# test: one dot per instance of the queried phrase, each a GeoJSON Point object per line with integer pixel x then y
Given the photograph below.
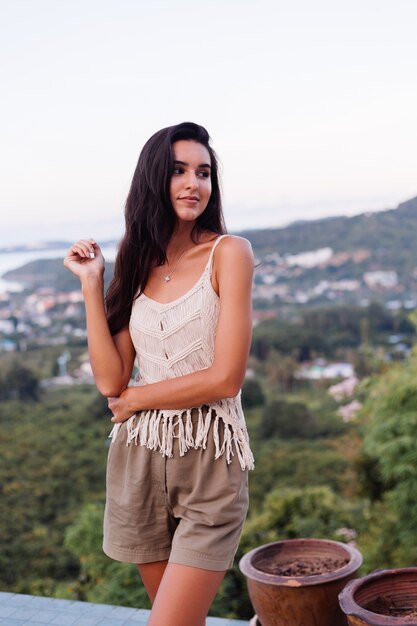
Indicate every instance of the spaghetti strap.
{"type": "Point", "coordinates": [209, 265]}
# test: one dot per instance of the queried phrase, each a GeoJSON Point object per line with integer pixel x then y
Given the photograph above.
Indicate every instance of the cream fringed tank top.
{"type": "Point", "coordinates": [171, 340]}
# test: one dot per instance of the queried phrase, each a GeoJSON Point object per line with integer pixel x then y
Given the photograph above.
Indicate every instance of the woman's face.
{"type": "Point", "coordinates": [190, 186]}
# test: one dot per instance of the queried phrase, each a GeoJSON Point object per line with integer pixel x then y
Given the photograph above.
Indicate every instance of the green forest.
{"type": "Point", "coordinates": [315, 476]}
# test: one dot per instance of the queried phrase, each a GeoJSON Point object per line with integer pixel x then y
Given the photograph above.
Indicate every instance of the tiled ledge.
{"type": "Point", "coordinates": [23, 610]}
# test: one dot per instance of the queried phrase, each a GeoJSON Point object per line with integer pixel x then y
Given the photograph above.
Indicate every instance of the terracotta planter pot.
{"type": "Point", "coordinates": [368, 601]}
{"type": "Point", "coordinates": [298, 600]}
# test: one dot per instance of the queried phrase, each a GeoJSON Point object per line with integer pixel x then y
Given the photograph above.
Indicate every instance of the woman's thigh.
{"type": "Point", "coordinates": [184, 596]}
{"type": "Point", "coordinates": [151, 575]}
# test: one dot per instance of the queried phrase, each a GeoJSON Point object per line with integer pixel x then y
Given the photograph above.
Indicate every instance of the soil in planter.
{"type": "Point", "coordinates": [385, 606]}
{"type": "Point", "coordinates": [303, 567]}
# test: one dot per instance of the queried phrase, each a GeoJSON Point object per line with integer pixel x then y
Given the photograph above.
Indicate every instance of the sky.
{"type": "Point", "coordinates": [311, 106]}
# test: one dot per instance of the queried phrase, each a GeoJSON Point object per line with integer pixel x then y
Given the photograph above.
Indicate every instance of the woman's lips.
{"type": "Point", "coordinates": [189, 199]}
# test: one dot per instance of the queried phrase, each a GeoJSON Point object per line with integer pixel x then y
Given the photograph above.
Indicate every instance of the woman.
{"type": "Point", "coordinates": [179, 302]}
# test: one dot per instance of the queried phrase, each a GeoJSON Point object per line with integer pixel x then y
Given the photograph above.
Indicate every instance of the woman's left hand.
{"type": "Point", "coordinates": [121, 407]}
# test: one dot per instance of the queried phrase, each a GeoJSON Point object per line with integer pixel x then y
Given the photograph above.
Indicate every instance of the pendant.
{"type": "Point", "coordinates": [167, 278]}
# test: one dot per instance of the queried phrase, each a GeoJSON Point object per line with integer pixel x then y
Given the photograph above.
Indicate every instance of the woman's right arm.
{"type": "Point", "coordinates": [111, 357]}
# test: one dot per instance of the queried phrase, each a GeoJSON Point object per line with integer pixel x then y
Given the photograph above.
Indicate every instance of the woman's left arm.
{"type": "Point", "coordinates": [233, 268]}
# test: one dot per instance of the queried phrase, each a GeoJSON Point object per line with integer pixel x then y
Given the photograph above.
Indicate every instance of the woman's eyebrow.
{"type": "Point", "coordinates": [185, 163]}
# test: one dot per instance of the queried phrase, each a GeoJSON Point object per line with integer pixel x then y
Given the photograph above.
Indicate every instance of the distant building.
{"type": "Point", "coordinates": [7, 327]}
{"type": "Point", "coordinates": [321, 369]}
{"type": "Point", "coordinates": [345, 285]}
{"type": "Point", "coordinates": [262, 315]}
{"type": "Point", "coordinates": [269, 292]}
{"type": "Point", "coordinates": [311, 258]}
{"type": "Point", "coordinates": [7, 345]}
{"type": "Point", "coordinates": [381, 279]}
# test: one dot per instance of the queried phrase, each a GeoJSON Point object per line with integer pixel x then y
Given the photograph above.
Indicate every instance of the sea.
{"type": "Point", "coordinates": [14, 260]}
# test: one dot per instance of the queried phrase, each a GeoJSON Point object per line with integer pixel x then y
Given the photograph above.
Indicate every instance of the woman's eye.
{"type": "Point", "coordinates": [177, 170]}
{"type": "Point", "coordinates": [204, 174]}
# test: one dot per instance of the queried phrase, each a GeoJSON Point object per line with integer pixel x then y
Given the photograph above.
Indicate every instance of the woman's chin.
{"type": "Point", "coordinates": [188, 215]}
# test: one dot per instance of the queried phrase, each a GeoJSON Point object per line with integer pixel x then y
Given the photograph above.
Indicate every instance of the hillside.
{"type": "Point", "coordinates": [354, 259]}
{"type": "Point", "coordinates": [392, 232]}
{"type": "Point", "coordinates": [50, 273]}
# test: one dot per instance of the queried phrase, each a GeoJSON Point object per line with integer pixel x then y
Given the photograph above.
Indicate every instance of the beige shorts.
{"type": "Point", "coordinates": [188, 510]}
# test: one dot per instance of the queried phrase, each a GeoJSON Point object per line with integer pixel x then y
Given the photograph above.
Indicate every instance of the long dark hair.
{"type": "Point", "coordinates": [151, 220]}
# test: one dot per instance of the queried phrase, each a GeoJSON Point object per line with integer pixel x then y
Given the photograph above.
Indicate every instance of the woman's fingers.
{"type": "Point", "coordinates": [120, 410]}
{"type": "Point", "coordinates": [81, 255]}
{"type": "Point", "coordinates": [85, 248]}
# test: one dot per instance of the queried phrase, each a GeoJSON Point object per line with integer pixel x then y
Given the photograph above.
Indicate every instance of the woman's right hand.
{"type": "Point", "coordinates": [85, 260]}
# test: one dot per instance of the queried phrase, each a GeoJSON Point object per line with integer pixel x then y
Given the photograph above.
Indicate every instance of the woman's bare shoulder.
{"type": "Point", "coordinates": [233, 246]}
{"type": "Point", "coordinates": [233, 261]}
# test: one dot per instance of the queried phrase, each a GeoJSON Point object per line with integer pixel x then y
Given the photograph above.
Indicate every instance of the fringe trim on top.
{"type": "Point", "coordinates": [156, 429]}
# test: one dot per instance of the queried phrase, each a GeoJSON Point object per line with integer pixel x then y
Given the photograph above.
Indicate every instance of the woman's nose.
{"type": "Point", "coordinates": [192, 181]}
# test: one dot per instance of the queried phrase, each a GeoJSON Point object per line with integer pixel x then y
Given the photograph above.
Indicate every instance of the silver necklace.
{"type": "Point", "coordinates": [167, 277]}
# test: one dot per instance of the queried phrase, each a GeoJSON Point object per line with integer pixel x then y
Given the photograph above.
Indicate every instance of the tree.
{"type": "Point", "coordinates": [295, 340]}
{"type": "Point", "coordinates": [53, 460]}
{"type": "Point", "coordinates": [368, 361]}
{"type": "Point", "coordinates": [252, 393]}
{"type": "Point", "coordinates": [98, 408]}
{"type": "Point", "coordinates": [287, 419]}
{"type": "Point", "coordinates": [389, 460]}
{"type": "Point", "coordinates": [19, 382]}
{"type": "Point", "coordinates": [100, 579]}
{"type": "Point", "coordinates": [281, 369]}
{"type": "Point", "coordinates": [292, 513]}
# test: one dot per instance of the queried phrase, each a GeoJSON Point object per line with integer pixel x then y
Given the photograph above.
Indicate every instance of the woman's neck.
{"type": "Point", "coordinates": [181, 240]}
